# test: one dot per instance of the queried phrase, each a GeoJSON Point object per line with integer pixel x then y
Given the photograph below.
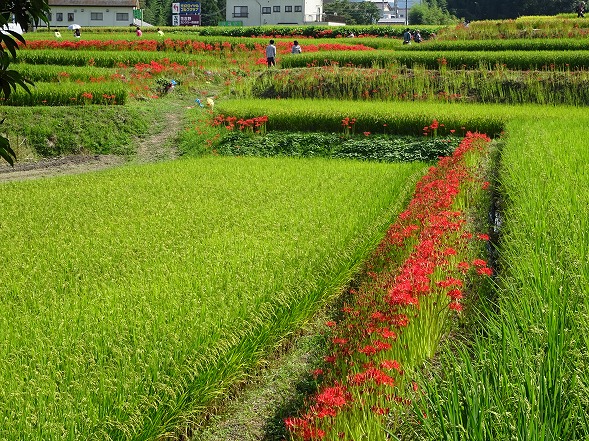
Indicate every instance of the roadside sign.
{"type": "Point", "coordinates": [189, 20]}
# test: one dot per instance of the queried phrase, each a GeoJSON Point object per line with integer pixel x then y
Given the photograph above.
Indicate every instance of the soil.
{"type": "Point", "coordinates": [156, 147]}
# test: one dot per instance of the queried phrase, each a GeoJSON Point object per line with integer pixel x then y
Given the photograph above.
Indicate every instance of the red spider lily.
{"type": "Point", "coordinates": [381, 309]}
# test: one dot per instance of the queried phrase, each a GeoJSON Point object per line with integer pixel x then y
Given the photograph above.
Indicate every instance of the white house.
{"type": "Point", "coordinates": [274, 12]}
{"type": "Point", "coordinates": [87, 13]}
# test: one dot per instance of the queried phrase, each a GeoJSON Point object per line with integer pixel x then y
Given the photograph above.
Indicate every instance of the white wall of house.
{"type": "Point", "coordinates": [88, 16]}
{"type": "Point", "coordinates": [272, 12]}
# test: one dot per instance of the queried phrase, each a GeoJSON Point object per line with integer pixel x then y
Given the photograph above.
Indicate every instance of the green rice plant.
{"type": "Point", "coordinates": [522, 60]}
{"type": "Point", "coordinates": [418, 84]}
{"type": "Point", "coordinates": [133, 298]}
{"type": "Point", "coordinates": [524, 374]}
{"type": "Point", "coordinates": [399, 118]}
{"type": "Point", "coordinates": [536, 27]}
{"type": "Point", "coordinates": [67, 94]}
{"type": "Point", "coordinates": [51, 73]}
{"type": "Point", "coordinates": [108, 59]}
{"type": "Point", "coordinates": [538, 44]}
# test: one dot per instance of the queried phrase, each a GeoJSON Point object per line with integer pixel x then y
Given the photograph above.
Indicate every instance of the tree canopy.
{"type": "Point", "coordinates": [499, 9]}
{"type": "Point", "coordinates": [23, 13]}
{"type": "Point", "coordinates": [363, 12]}
{"type": "Point", "coordinates": [431, 12]}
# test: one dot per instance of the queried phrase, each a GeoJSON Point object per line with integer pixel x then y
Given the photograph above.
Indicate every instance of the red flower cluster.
{"type": "Point", "coordinates": [431, 233]}
{"type": "Point", "coordinates": [255, 125]}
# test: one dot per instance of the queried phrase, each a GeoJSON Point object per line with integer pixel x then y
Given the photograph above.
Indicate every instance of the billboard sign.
{"type": "Point", "coordinates": [186, 14]}
{"type": "Point", "coordinates": [189, 20]}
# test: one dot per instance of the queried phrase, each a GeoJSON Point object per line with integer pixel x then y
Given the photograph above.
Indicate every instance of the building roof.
{"type": "Point", "coordinates": [110, 3]}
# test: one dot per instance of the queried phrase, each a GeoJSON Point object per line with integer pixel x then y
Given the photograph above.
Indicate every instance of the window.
{"type": "Point", "coordinates": [59, 16]}
{"type": "Point", "coordinates": [298, 9]}
{"type": "Point", "coordinates": [266, 10]}
{"type": "Point", "coordinates": [122, 16]}
{"type": "Point", "coordinates": [240, 11]}
{"type": "Point", "coordinates": [288, 9]}
{"type": "Point", "coordinates": [70, 16]}
{"type": "Point", "coordinates": [275, 8]}
{"type": "Point", "coordinates": [96, 16]}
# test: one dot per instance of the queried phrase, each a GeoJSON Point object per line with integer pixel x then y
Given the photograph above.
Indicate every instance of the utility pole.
{"type": "Point", "coordinates": [406, 17]}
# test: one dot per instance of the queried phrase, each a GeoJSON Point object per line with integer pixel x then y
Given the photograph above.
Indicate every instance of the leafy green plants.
{"type": "Point", "coordinates": [332, 145]}
{"type": "Point", "coordinates": [522, 372]}
{"type": "Point", "coordinates": [396, 318]}
{"type": "Point", "coordinates": [133, 298]}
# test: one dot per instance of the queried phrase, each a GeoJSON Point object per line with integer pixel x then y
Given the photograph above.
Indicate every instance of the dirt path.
{"type": "Point", "coordinates": [156, 147]}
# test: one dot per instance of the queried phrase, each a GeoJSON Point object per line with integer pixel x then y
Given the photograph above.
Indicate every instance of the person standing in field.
{"type": "Point", "coordinates": [581, 10]}
{"type": "Point", "coordinates": [407, 36]}
{"type": "Point", "coordinates": [271, 54]}
{"type": "Point", "coordinates": [296, 48]}
{"type": "Point", "coordinates": [57, 34]}
{"type": "Point", "coordinates": [138, 32]}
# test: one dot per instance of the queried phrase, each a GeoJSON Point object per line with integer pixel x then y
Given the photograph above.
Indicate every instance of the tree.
{"type": "Point", "coordinates": [500, 9]}
{"type": "Point", "coordinates": [21, 12]}
{"type": "Point", "coordinates": [431, 12]}
{"type": "Point", "coordinates": [364, 12]}
{"type": "Point", "coordinates": [210, 13]}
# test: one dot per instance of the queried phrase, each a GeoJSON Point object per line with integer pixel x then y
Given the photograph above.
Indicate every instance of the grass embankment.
{"type": "Point", "coordinates": [133, 298]}
{"type": "Point", "coordinates": [525, 372]}
{"type": "Point", "coordinates": [56, 131]}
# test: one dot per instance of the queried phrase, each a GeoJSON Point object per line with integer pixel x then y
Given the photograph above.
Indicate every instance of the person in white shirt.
{"type": "Point", "coordinates": [296, 49]}
{"type": "Point", "coordinates": [271, 54]}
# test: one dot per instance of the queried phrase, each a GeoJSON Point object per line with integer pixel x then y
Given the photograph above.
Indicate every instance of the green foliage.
{"type": "Point", "coordinates": [145, 292]}
{"type": "Point", "coordinates": [500, 9]}
{"type": "Point", "coordinates": [56, 131]}
{"type": "Point", "coordinates": [63, 74]}
{"type": "Point", "coordinates": [430, 12]}
{"type": "Point", "coordinates": [23, 12]}
{"type": "Point", "coordinates": [68, 94]}
{"type": "Point", "coordinates": [524, 371]}
{"type": "Point", "coordinates": [398, 118]}
{"type": "Point", "coordinates": [108, 59]}
{"type": "Point", "coordinates": [522, 60]}
{"type": "Point", "coordinates": [361, 147]}
{"type": "Point", "coordinates": [518, 44]}
{"type": "Point", "coordinates": [311, 31]}
{"type": "Point", "coordinates": [352, 13]}
{"type": "Point", "coordinates": [395, 83]}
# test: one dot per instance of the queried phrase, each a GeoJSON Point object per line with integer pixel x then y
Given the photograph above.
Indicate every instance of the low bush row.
{"type": "Point", "coordinates": [329, 145]}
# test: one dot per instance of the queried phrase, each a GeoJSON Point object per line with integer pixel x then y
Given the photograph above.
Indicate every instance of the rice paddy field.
{"type": "Point", "coordinates": [134, 299]}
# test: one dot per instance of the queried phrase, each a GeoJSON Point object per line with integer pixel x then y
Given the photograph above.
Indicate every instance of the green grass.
{"type": "Point", "coordinates": [525, 375]}
{"type": "Point", "coordinates": [55, 131]}
{"type": "Point", "coordinates": [133, 298]}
